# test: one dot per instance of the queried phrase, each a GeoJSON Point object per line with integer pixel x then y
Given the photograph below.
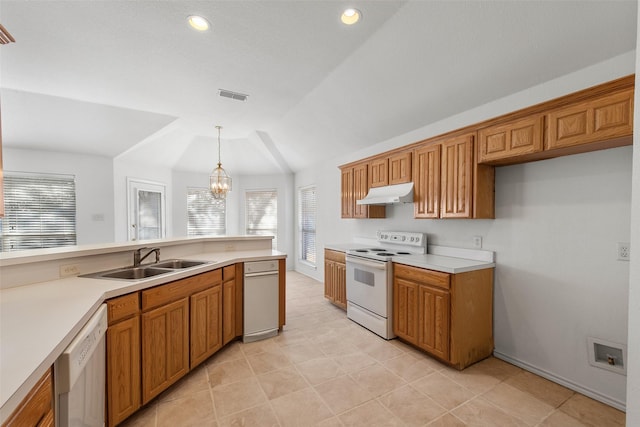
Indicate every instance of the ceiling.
{"type": "Point", "coordinates": [131, 80]}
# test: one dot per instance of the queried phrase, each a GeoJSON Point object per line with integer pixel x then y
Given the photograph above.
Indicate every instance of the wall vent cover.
{"type": "Point", "coordinates": [233, 95]}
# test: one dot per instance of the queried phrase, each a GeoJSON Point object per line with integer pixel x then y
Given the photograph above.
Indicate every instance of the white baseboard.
{"type": "Point", "coordinates": [563, 381]}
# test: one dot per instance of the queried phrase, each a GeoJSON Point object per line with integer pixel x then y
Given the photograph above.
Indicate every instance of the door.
{"type": "Point", "coordinates": [146, 210]}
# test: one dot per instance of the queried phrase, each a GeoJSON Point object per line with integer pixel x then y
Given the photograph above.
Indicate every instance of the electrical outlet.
{"type": "Point", "coordinates": [477, 242]}
{"type": "Point", "coordinates": [69, 270]}
{"type": "Point", "coordinates": [624, 251]}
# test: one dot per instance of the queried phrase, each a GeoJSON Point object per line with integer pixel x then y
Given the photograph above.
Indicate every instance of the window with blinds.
{"type": "Point", "coordinates": [40, 211]}
{"type": "Point", "coordinates": [261, 208]}
{"type": "Point", "coordinates": [206, 216]}
{"type": "Point", "coordinates": [307, 224]}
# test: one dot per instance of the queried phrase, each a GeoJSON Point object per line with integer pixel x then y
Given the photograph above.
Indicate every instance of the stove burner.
{"type": "Point", "coordinates": [385, 254]}
{"type": "Point", "coordinates": [362, 250]}
{"type": "Point", "coordinates": [404, 253]}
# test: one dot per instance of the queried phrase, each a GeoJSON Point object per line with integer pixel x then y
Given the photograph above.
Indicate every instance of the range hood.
{"type": "Point", "coordinates": [388, 195]}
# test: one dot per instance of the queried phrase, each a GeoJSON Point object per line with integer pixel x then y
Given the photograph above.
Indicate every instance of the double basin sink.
{"type": "Point", "coordinates": [146, 271]}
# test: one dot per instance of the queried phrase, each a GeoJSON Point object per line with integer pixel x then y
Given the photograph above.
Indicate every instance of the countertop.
{"type": "Point", "coordinates": [38, 321]}
{"type": "Point", "coordinates": [438, 258]}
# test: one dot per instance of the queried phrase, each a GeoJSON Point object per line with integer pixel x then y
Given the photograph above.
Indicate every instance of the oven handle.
{"type": "Point", "coordinates": [371, 264]}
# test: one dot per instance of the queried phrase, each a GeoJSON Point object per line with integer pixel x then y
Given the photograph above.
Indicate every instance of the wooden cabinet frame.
{"type": "Point", "coordinates": [335, 278]}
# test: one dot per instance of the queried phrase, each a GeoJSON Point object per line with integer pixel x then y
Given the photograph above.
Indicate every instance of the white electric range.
{"type": "Point", "coordinates": [370, 279]}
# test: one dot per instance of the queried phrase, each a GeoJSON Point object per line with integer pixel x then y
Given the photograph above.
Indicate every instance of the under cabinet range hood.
{"type": "Point", "coordinates": [388, 195]}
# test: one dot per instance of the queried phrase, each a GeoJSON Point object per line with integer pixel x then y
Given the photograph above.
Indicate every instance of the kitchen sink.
{"type": "Point", "coordinates": [178, 264]}
{"type": "Point", "coordinates": [146, 271]}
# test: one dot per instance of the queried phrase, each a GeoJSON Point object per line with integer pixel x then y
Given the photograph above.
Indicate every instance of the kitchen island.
{"type": "Point", "coordinates": [41, 311]}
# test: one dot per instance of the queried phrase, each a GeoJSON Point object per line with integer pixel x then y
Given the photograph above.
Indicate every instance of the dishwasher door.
{"type": "Point", "coordinates": [79, 376]}
{"type": "Point", "coordinates": [261, 301]}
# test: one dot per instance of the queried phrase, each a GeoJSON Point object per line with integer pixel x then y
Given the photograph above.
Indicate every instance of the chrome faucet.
{"type": "Point", "coordinates": [138, 257]}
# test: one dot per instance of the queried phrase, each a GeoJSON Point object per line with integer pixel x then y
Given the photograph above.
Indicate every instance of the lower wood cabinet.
{"type": "Point", "coordinates": [165, 347]}
{"type": "Point", "coordinates": [228, 304]}
{"type": "Point", "coordinates": [449, 316]}
{"type": "Point", "coordinates": [335, 278]}
{"type": "Point", "coordinates": [36, 409]}
{"type": "Point", "coordinates": [206, 324]}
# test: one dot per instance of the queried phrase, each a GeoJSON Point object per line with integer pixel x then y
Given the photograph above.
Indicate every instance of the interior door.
{"type": "Point", "coordinates": [146, 210]}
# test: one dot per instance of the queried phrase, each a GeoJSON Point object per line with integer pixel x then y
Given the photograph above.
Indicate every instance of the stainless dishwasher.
{"type": "Point", "coordinates": [261, 300]}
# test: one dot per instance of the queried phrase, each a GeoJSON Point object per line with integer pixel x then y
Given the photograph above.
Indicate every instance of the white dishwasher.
{"type": "Point", "coordinates": [261, 300]}
{"type": "Point", "coordinates": [79, 376]}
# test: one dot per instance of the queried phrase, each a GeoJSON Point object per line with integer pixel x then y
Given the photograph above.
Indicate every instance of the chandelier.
{"type": "Point", "coordinates": [219, 181]}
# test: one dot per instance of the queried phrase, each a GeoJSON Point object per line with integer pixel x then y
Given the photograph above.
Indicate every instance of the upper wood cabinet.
{"type": "Point", "coordinates": [606, 117]}
{"type": "Point", "coordinates": [448, 183]}
{"type": "Point", "coordinates": [355, 186]}
{"type": "Point", "coordinates": [517, 138]}
{"type": "Point", "coordinates": [390, 170]}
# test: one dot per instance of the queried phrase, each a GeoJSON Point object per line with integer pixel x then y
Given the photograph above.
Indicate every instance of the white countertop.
{"type": "Point", "coordinates": [439, 258]}
{"type": "Point", "coordinates": [38, 321]}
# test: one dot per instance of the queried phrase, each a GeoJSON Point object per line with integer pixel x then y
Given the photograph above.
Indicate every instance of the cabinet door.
{"type": "Point", "coordinates": [165, 347]}
{"type": "Point", "coordinates": [206, 324]}
{"type": "Point", "coordinates": [405, 309]}
{"type": "Point", "coordinates": [329, 279]}
{"type": "Point", "coordinates": [400, 168]}
{"type": "Point", "coordinates": [360, 189]}
{"type": "Point", "coordinates": [346, 193]}
{"type": "Point", "coordinates": [510, 140]}
{"type": "Point", "coordinates": [36, 409]}
{"type": "Point", "coordinates": [378, 169]}
{"type": "Point", "coordinates": [433, 321]}
{"type": "Point", "coordinates": [426, 182]}
{"type": "Point", "coordinates": [228, 310]}
{"type": "Point", "coordinates": [123, 369]}
{"type": "Point", "coordinates": [456, 178]}
{"type": "Point", "coordinates": [340, 285]}
{"type": "Point", "coordinates": [606, 117]}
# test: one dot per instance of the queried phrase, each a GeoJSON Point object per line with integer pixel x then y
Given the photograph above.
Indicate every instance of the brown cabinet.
{"type": "Point", "coordinates": [450, 316]}
{"type": "Point", "coordinates": [206, 324]}
{"type": "Point", "coordinates": [354, 186]}
{"type": "Point", "coordinates": [512, 139]}
{"type": "Point", "coordinates": [228, 304]}
{"type": "Point", "coordinates": [165, 347]}
{"type": "Point", "coordinates": [335, 278]}
{"type": "Point", "coordinates": [605, 117]}
{"type": "Point", "coordinates": [123, 358]}
{"type": "Point", "coordinates": [36, 409]}
{"type": "Point", "coordinates": [448, 183]}
{"type": "Point", "coordinates": [390, 170]}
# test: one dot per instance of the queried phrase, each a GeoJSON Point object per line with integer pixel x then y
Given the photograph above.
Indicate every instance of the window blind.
{"type": "Point", "coordinates": [205, 215]}
{"type": "Point", "coordinates": [307, 224]}
{"type": "Point", "coordinates": [261, 207]}
{"type": "Point", "coordinates": [40, 211]}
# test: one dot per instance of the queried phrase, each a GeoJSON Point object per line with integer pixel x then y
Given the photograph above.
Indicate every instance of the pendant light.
{"type": "Point", "coordinates": [219, 181]}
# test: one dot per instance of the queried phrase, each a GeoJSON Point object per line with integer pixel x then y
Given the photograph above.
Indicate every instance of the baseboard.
{"type": "Point", "coordinates": [563, 381]}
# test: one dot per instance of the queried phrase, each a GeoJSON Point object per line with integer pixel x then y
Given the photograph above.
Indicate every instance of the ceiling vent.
{"type": "Point", "coordinates": [233, 95]}
{"type": "Point", "coordinates": [5, 37]}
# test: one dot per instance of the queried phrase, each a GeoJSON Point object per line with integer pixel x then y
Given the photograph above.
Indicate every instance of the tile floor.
{"type": "Point", "coordinates": [324, 370]}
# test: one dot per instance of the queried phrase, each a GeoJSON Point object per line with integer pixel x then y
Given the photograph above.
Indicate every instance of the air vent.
{"type": "Point", "coordinates": [5, 37]}
{"type": "Point", "coordinates": [233, 95]}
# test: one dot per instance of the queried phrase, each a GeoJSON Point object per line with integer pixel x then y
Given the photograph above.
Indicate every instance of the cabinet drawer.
{"type": "Point", "coordinates": [123, 307]}
{"type": "Point", "coordinates": [228, 272]}
{"type": "Point", "coordinates": [330, 255]}
{"type": "Point", "coordinates": [422, 275]}
{"type": "Point", "coordinates": [164, 294]}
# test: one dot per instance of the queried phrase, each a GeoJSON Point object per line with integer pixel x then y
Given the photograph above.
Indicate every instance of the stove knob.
{"type": "Point", "coordinates": [404, 238]}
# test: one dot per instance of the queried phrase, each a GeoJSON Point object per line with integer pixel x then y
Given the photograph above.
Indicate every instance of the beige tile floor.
{"type": "Point", "coordinates": [324, 370]}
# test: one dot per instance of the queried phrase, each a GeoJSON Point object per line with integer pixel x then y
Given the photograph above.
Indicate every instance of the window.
{"type": "Point", "coordinates": [205, 215]}
{"type": "Point", "coordinates": [307, 224]}
{"type": "Point", "coordinates": [261, 207]}
{"type": "Point", "coordinates": [40, 211]}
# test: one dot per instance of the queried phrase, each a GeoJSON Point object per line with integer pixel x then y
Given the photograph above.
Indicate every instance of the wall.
{"type": "Point", "coordinates": [94, 187]}
{"type": "Point", "coordinates": [633, 356]}
{"type": "Point", "coordinates": [558, 221]}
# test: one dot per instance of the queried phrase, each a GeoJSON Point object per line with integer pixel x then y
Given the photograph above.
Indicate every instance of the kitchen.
{"type": "Point", "coordinates": [553, 253]}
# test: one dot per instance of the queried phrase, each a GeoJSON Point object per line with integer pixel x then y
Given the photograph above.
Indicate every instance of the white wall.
{"type": "Point", "coordinates": [633, 356]}
{"type": "Point", "coordinates": [555, 233]}
{"type": "Point", "coordinates": [94, 187]}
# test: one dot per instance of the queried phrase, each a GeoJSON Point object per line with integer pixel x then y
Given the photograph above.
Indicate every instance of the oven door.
{"type": "Point", "coordinates": [368, 284]}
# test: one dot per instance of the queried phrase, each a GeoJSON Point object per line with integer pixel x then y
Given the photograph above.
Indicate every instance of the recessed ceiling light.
{"type": "Point", "coordinates": [199, 23]}
{"type": "Point", "coordinates": [350, 16]}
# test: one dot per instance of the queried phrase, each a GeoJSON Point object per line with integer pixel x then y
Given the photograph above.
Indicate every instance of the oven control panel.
{"type": "Point", "coordinates": [403, 238]}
